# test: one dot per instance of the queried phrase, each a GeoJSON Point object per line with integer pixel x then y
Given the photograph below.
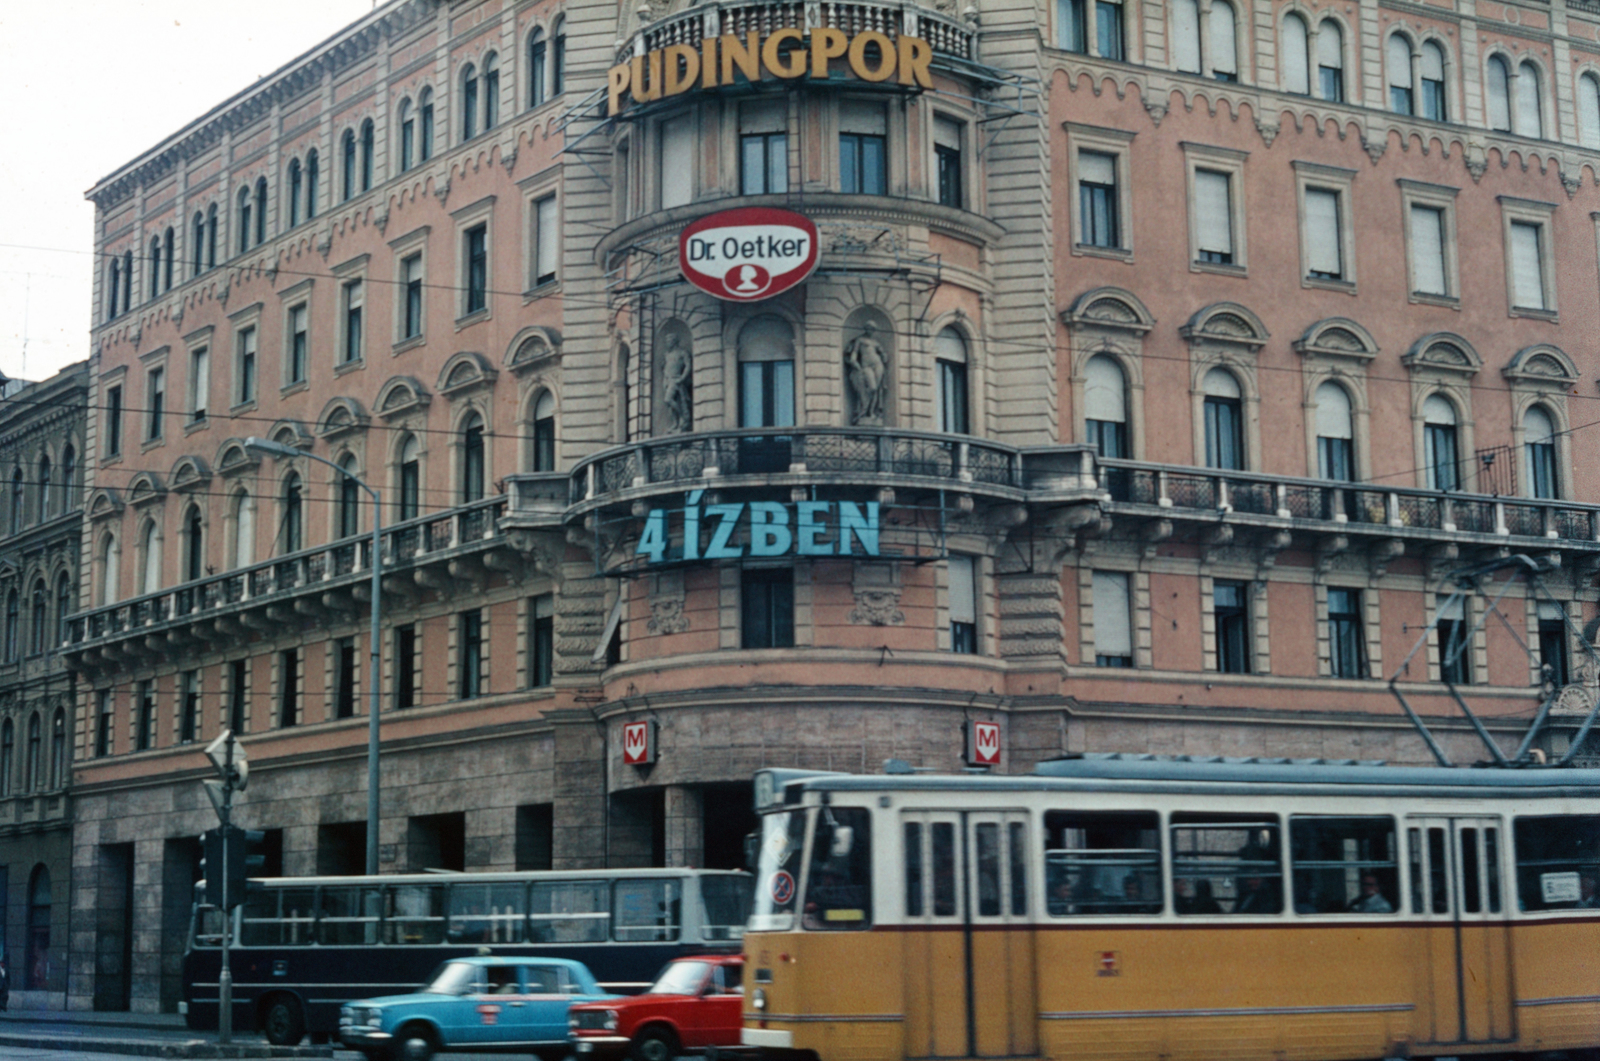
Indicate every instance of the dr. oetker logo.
{"type": "Point", "coordinates": [748, 254]}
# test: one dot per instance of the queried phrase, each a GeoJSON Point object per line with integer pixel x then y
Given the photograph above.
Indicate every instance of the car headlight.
{"type": "Point", "coordinates": [611, 1020]}
{"type": "Point", "coordinates": [758, 999]}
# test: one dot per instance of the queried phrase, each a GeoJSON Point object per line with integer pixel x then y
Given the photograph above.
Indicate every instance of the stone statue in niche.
{"type": "Point", "coordinates": [677, 385]}
{"type": "Point", "coordinates": [866, 365]}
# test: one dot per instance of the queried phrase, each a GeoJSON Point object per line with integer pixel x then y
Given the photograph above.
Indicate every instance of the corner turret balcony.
{"type": "Point", "coordinates": [945, 35]}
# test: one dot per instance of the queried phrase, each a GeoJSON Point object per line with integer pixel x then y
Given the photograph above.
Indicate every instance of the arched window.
{"type": "Point", "coordinates": [13, 620]}
{"type": "Point", "coordinates": [410, 478]}
{"type": "Point", "coordinates": [8, 756]}
{"type": "Point", "coordinates": [211, 236]}
{"type": "Point", "coordinates": [197, 261]}
{"type": "Point", "coordinates": [1330, 61]}
{"type": "Point", "coordinates": [1397, 68]}
{"type": "Point", "coordinates": [38, 970]}
{"type": "Point", "coordinates": [1224, 420]}
{"type": "Point", "coordinates": [32, 781]}
{"type": "Point", "coordinates": [69, 475]}
{"type": "Point", "coordinates": [472, 469]}
{"type": "Point", "coordinates": [348, 190]}
{"type": "Point", "coordinates": [491, 91]}
{"type": "Point", "coordinates": [169, 253]}
{"type": "Point", "coordinates": [1431, 69]}
{"type": "Point", "coordinates": [349, 499]}
{"type": "Point", "coordinates": [18, 492]}
{"type": "Point", "coordinates": [1105, 406]}
{"type": "Point", "coordinates": [194, 546]}
{"type": "Point", "coordinates": [58, 750]}
{"type": "Point", "coordinates": [1186, 35]}
{"type": "Point", "coordinates": [1530, 101]}
{"type": "Point", "coordinates": [536, 68]}
{"type": "Point", "coordinates": [1296, 55]}
{"type": "Point", "coordinates": [408, 136]}
{"type": "Point", "coordinates": [114, 282]}
{"type": "Point", "coordinates": [1499, 76]}
{"type": "Point", "coordinates": [558, 57]}
{"type": "Point", "coordinates": [1589, 111]}
{"type": "Point", "coordinates": [292, 532]}
{"type": "Point", "coordinates": [296, 189]}
{"type": "Point", "coordinates": [150, 558]}
{"type": "Point", "coordinates": [153, 286]}
{"type": "Point", "coordinates": [425, 119]}
{"type": "Point", "coordinates": [313, 164]}
{"type": "Point", "coordinates": [127, 280]}
{"type": "Point", "coordinates": [766, 373]}
{"type": "Point", "coordinates": [1539, 439]}
{"type": "Point", "coordinates": [64, 607]}
{"type": "Point", "coordinates": [950, 358]}
{"type": "Point", "coordinates": [39, 628]}
{"type": "Point", "coordinates": [1224, 45]}
{"type": "Point", "coordinates": [244, 220]}
{"type": "Point", "coordinates": [1336, 458]}
{"type": "Point", "coordinates": [544, 433]}
{"type": "Point", "coordinates": [261, 210]}
{"type": "Point", "coordinates": [110, 576]}
{"type": "Point", "coordinates": [45, 498]}
{"type": "Point", "coordinates": [1440, 454]}
{"type": "Point", "coordinates": [244, 529]}
{"type": "Point", "coordinates": [368, 136]}
{"type": "Point", "coordinates": [469, 102]}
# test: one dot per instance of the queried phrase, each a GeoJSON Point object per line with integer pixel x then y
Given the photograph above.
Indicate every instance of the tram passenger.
{"type": "Point", "coordinates": [1196, 897]}
{"type": "Point", "coordinates": [1258, 895]}
{"type": "Point", "coordinates": [1587, 899]}
{"type": "Point", "coordinates": [1371, 900]}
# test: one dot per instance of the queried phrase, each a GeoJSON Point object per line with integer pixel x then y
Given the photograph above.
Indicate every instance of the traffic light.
{"type": "Point", "coordinates": [245, 860]}
{"type": "Point", "coordinates": [211, 865]}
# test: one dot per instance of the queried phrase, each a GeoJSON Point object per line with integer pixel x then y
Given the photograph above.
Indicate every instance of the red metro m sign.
{"type": "Point", "coordinates": [748, 254]}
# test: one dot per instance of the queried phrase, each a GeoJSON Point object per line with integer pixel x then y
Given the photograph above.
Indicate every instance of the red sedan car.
{"type": "Point", "coordinates": [695, 1003]}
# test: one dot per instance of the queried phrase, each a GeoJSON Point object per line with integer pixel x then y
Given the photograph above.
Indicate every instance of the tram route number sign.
{"type": "Point", "coordinates": [782, 887]}
{"type": "Point", "coordinates": [639, 743]}
{"type": "Point", "coordinates": [748, 254]}
{"type": "Point", "coordinates": [983, 744]}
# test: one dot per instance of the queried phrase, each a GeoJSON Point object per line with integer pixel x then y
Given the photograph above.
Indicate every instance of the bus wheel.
{"type": "Point", "coordinates": [655, 1043]}
{"type": "Point", "coordinates": [284, 1025]}
{"type": "Point", "coordinates": [415, 1044]}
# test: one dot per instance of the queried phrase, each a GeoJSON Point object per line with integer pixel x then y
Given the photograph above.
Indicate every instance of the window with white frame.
{"type": "Point", "coordinates": [863, 154]}
{"type": "Point", "coordinates": [1212, 220]}
{"type": "Point", "coordinates": [948, 135]}
{"type": "Point", "coordinates": [1072, 25]}
{"type": "Point", "coordinates": [1397, 70]}
{"type": "Point", "coordinates": [411, 296]}
{"type": "Point", "coordinates": [1223, 409]}
{"type": "Point", "coordinates": [245, 365]}
{"type": "Point", "coordinates": [1453, 641]}
{"type": "Point", "coordinates": [1223, 52]}
{"type": "Point", "coordinates": [1589, 111]}
{"type": "Point", "coordinates": [1336, 456]}
{"type": "Point", "coordinates": [1102, 201]}
{"type": "Point", "coordinates": [1440, 444]}
{"type": "Point", "coordinates": [475, 256]}
{"type": "Point", "coordinates": [1105, 406]}
{"type": "Point", "coordinates": [1346, 642]}
{"type": "Point", "coordinates": [950, 357]}
{"type": "Point", "coordinates": [1186, 36]}
{"type": "Point", "coordinates": [1098, 221]}
{"type": "Point", "coordinates": [1294, 52]}
{"type": "Point", "coordinates": [764, 147]}
{"type": "Point", "coordinates": [1113, 620]}
{"type": "Point", "coordinates": [963, 604]}
{"type": "Point", "coordinates": [676, 178]}
{"type": "Point", "coordinates": [199, 383]}
{"type": "Point", "coordinates": [1430, 76]}
{"type": "Point", "coordinates": [155, 403]}
{"type": "Point", "coordinates": [1230, 613]}
{"type": "Point", "coordinates": [546, 240]}
{"type": "Point", "coordinates": [1539, 445]}
{"type": "Point", "coordinates": [1498, 76]}
{"type": "Point", "coordinates": [352, 299]}
{"type": "Point", "coordinates": [1528, 118]}
{"type": "Point", "coordinates": [1330, 61]}
{"type": "Point", "coordinates": [1324, 234]}
{"type": "Point", "coordinates": [297, 343]}
{"type": "Point", "coordinates": [541, 640]}
{"type": "Point", "coordinates": [1530, 276]}
{"type": "Point", "coordinates": [1429, 216]}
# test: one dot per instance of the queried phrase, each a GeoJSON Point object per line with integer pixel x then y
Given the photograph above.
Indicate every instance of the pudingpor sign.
{"type": "Point", "coordinates": [759, 529]}
{"type": "Point", "coordinates": [748, 254]}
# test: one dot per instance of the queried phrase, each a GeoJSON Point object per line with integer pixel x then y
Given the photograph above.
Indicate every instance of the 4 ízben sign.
{"type": "Point", "coordinates": [760, 529]}
{"type": "Point", "coordinates": [748, 254]}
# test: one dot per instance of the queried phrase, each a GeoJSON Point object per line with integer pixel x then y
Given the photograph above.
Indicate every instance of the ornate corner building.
{"type": "Point", "coordinates": [1154, 363]}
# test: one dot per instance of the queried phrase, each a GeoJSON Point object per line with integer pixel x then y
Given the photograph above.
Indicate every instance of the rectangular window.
{"type": "Point", "coordinates": [105, 714]}
{"type": "Point", "coordinates": [676, 179]}
{"type": "Point", "coordinates": [947, 137]}
{"type": "Point", "coordinates": [475, 249]}
{"type": "Point", "coordinates": [1527, 266]}
{"type": "Point", "coordinates": [1108, 30]}
{"type": "Point", "coordinates": [1113, 620]}
{"type": "Point", "coordinates": [189, 707]}
{"type": "Point", "coordinates": [1344, 865]}
{"type": "Point", "coordinates": [1213, 206]}
{"type": "Point", "coordinates": [1098, 863]}
{"type": "Point", "coordinates": [1455, 649]}
{"type": "Point", "coordinates": [1098, 225]}
{"type": "Point", "coordinates": [237, 691]}
{"type": "Point", "coordinates": [113, 421]}
{"type": "Point", "coordinates": [199, 383]}
{"type": "Point", "coordinates": [954, 418]}
{"type": "Point", "coordinates": [763, 163]}
{"type": "Point", "coordinates": [963, 604]}
{"type": "Point", "coordinates": [1553, 642]}
{"type": "Point", "coordinates": [297, 344]}
{"type": "Point", "coordinates": [1230, 604]}
{"type": "Point", "coordinates": [546, 241]}
{"type": "Point", "coordinates": [1345, 640]}
{"type": "Point", "coordinates": [1558, 863]}
{"type": "Point", "coordinates": [767, 607]}
{"type": "Point", "coordinates": [344, 678]}
{"type": "Point", "coordinates": [1226, 864]}
{"type": "Point", "coordinates": [144, 730]}
{"type": "Point", "coordinates": [288, 687]}
{"type": "Point", "coordinates": [1324, 232]}
{"type": "Point", "coordinates": [157, 401]}
{"type": "Point", "coordinates": [411, 279]}
{"type": "Point", "coordinates": [1072, 29]}
{"type": "Point", "coordinates": [247, 366]}
{"type": "Point", "coordinates": [352, 297]}
{"type": "Point", "coordinates": [469, 654]}
{"type": "Point", "coordinates": [861, 164]}
{"type": "Point", "coordinates": [405, 665]}
{"type": "Point", "coordinates": [1427, 251]}
{"type": "Point", "coordinates": [541, 640]}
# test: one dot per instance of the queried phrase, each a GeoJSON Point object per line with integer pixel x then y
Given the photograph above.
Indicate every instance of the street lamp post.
{"type": "Point", "coordinates": [278, 449]}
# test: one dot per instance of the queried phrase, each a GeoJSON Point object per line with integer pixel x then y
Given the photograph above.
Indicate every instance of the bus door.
{"type": "Point", "coordinates": [1005, 1012]}
{"type": "Point", "coordinates": [935, 953]}
{"type": "Point", "coordinates": [1457, 887]}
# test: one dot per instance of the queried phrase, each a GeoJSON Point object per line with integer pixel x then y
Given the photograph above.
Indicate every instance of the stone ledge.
{"type": "Point", "coordinates": [196, 1048]}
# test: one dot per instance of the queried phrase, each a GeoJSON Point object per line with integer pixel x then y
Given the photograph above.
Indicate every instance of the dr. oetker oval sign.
{"type": "Point", "coordinates": [748, 254]}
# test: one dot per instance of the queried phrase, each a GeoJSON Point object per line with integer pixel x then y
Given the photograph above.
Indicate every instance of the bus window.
{"type": "Point", "coordinates": [839, 882]}
{"type": "Point", "coordinates": [726, 902]}
{"type": "Point", "coordinates": [646, 910]}
{"type": "Point", "coordinates": [349, 915]}
{"type": "Point", "coordinates": [486, 913]}
{"type": "Point", "coordinates": [570, 911]}
{"type": "Point", "coordinates": [1102, 863]}
{"type": "Point", "coordinates": [1558, 862]}
{"type": "Point", "coordinates": [1344, 865]}
{"type": "Point", "coordinates": [280, 917]}
{"type": "Point", "coordinates": [416, 913]}
{"type": "Point", "coordinates": [208, 927]}
{"type": "Point", "coordinates": [1226, 864]}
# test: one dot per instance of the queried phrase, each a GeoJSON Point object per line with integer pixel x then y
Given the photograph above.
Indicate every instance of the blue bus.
{"type": "Point", "coordinates": [304, 946]}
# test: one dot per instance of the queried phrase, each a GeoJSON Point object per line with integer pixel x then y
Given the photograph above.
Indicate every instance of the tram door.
{"type": "Point", "coordinates": [1457, 887]}
{"type": "Point", "coordinates": [968, 948]}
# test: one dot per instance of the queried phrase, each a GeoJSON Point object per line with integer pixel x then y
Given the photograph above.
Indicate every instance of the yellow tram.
{"type": "Point", "coordinates": [1135, 908]}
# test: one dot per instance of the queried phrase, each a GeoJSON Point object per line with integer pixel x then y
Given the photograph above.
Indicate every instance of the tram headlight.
{"type": "Point", "coordinates": [758, 999]}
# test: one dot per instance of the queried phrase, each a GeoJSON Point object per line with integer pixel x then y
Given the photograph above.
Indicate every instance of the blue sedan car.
{"type": "Point", "coordinates": [480, 1004]}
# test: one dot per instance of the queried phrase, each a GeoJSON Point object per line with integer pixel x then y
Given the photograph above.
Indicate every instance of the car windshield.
{"type": "Point", "coordinates": [680, 978]}
{"type": "Point", "coordinates": [453, 978]}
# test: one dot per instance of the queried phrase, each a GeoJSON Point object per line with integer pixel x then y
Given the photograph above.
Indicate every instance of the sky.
{"type": "Point", "coordinates": [91, 86]}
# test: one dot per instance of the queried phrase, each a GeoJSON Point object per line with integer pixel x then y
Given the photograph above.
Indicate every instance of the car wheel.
{"type": "Point", "coordinates": [376, 1054]}
{"type": "Point", "coordinates": [655, 1044]}
{"type": "Point", "coordinates": [284, 1024]}
{"type": "Point", "coordinates": [415, 1044]}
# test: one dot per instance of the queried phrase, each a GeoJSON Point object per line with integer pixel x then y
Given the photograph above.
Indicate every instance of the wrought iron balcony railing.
{"type": "Point", "coordinates": [944, 35]}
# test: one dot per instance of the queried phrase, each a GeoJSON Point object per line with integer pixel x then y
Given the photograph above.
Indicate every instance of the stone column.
{"type": "Point", "coordinates": [684, 820]}
{"type": "Point", "coordinates": [578, 792]}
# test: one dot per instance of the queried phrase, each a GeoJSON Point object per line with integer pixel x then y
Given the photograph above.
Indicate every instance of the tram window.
{"type": "Point", "coordinates": [1343, 865]}
{"type": "Point", "coordinates": [986, 838]}
{"type": "Point", "coordinates": [1471, 881]}
{"type": "Point", "coordinates": [1226, 864]}
{"type": "Point", "coordinates": [646, 910]}
{"type": "Point", "coordinates": [416, 914]}
{"type": "Point", "coordinates": [571, 911]}
{"type": "Point", "coordinates": [913, 840]}
{"type": "Point", "coordinates": [1558, 862]}
{"type": "Point", "coordinates": [1438, 871]}
{"type": "Point", "coordinates": [1019, 869]}
{"type": "Point", "coordinates": [487, 913]}
{"type": "Point", "coordinates": [943, 837]}
{"type": "Point", "coordinates": [839, 882]}
{"type": "Point", "coordinates": [349, 915]}
{"type": "Point", "coordinates": [279, 917]}
{"type": "Point", "coordinates": [1414, 845]}
{"type": "Point", "coordinates": [1491, 862]}
{"type": "Point", "coordinates": [1102, 863]}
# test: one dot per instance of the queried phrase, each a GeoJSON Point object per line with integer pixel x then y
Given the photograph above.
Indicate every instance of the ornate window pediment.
{"type": "Point", "coordinates": [1225, 324]}
{"type": "Point", "coordinates": [1443, 352]}
{"type": "Point", "coordinates": [291, 433]}
{"type": "Point", "coordinates": [1337, 337]}
{"type": "Point", "coordinates": [1109, 308]}
{"type": "Point", "coordinates": [105, 504]}
{"type": "Point", "coordinates": [402, 394]}
{"type": "Point", "coordinates": [190, 473]}
{"type": "Point", "coordinates": [533, 346]}
{"type": "Point", "coordinates": [1542, 365]}
{"type": "Point", "coordinates": [340, 417]}
{"type": "Point", "coordinates": [232, 457]}
{"type": "Point", "coordinates": [146, 489]}
{"type": "Point", "coordinates": [464, 373]}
